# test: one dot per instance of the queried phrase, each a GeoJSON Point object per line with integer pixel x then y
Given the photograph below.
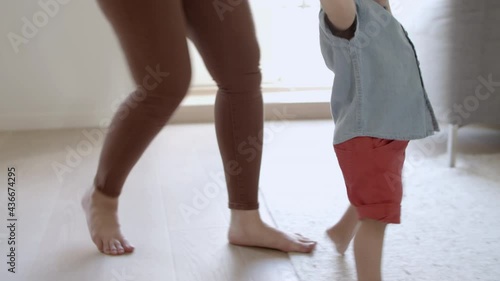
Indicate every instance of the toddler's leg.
{"type": "Point", "coordinates": [368, 242]}
{"type": "Point", "coordinates": [372, 170]}
{"type": "Point", "coordinates": [368, 245]}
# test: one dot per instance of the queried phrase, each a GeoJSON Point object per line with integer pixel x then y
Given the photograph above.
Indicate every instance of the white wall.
{"type": "Point", "coordinates": [71, 73]}
{"type": "Point", "coordinates": [70, 69]}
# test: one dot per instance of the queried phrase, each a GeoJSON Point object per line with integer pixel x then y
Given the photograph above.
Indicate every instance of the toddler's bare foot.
{"type": "Point", "coordinates": [342, 233]}
{"type": "Point", "coordinates": [247, 229]}
{"type": "Point", "coordinates": [102, 221]}
{"type": "Point", "coordinates": [341, 236]}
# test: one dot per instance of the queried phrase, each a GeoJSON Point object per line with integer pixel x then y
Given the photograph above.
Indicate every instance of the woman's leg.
{"type": "Point", "coordinates": [231, 53]}
{"type": "Point", "coordinates": [153, 36]}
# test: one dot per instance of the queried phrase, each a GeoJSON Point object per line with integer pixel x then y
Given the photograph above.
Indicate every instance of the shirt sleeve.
{"type": "Point", "coordinates": [327, 41]}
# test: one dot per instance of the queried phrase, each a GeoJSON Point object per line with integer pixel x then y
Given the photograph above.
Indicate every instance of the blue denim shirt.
{"type": "Point", "coordinates": [378, 89]}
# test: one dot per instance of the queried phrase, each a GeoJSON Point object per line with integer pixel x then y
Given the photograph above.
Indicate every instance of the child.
{"type": "Point", "coordinates": [378, 104]}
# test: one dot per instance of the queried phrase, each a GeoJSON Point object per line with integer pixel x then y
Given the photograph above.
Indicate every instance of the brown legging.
{"type": "Point", "coordinates": [153, 35]}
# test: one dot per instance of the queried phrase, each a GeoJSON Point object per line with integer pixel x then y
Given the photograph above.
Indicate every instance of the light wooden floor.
{"type": "Point", "coordinates": [53, 243]}
{"type": "Point", "coordinates": [181, 164]}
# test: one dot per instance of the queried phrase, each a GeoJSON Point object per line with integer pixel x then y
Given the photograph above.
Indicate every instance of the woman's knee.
{"type": "Point", "coordinates": [241, 81]}
{"type": "Point", "coordinates": [161, 92]}
{"type": "Point", "coordinates": [163, 81]}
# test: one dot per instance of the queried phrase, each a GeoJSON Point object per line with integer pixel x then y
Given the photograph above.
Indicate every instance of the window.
{"type": "Point", "coordinates": [288, 35]}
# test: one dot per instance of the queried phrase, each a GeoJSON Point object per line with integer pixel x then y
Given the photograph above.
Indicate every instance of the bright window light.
{"type": "Point", "coordinates": [288, 34]}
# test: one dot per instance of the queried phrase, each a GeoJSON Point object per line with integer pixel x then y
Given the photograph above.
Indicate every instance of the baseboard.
{"type": "Point", "coordinates": [272, 112]}
{"type": "Point", "coordinates": [279, 104]}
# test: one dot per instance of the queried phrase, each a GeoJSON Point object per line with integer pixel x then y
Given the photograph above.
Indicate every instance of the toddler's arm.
{"type": "Point", "coordinates": [340, 13]}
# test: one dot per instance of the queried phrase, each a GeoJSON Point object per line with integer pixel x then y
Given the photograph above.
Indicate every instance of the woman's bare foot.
{"type": "Point", "coordinates": [247, 229]}
{"type": "Point", "coordinates": [102, 221]}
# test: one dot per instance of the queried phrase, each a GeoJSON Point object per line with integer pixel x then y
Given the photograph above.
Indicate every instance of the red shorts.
{"type": "Point", "coordinates": [372, 170]}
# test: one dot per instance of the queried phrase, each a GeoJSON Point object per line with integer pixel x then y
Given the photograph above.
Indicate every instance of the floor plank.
{"type": "Point", "coordinates": [54, 243]}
